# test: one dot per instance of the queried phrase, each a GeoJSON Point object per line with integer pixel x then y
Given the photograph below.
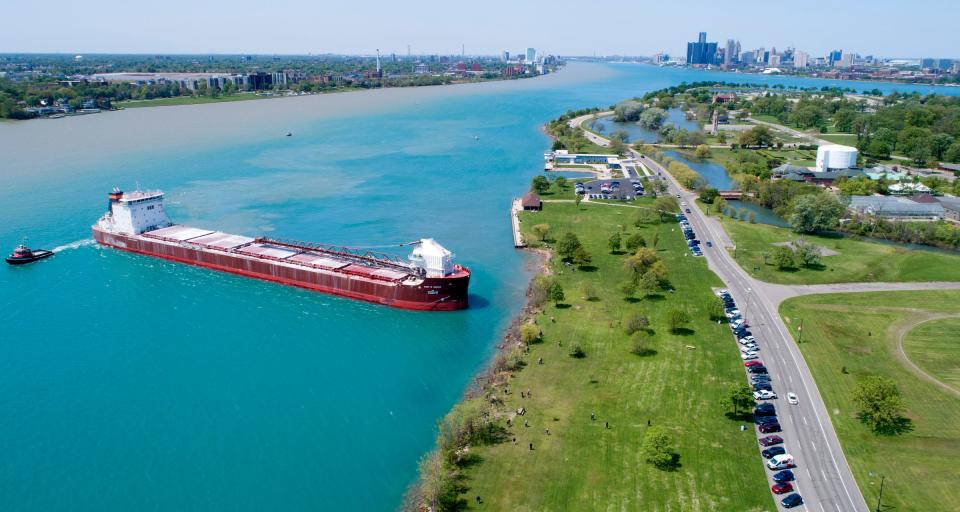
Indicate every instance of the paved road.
{"type": "Point", "coordinates": [778, 293]}
{"type": "Point", "coordinates": [823, 477]}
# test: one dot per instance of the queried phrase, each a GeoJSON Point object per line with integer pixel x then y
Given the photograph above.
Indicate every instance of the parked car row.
{"type": "Point", "coordinates": [691, 237]}
{"type": "Point", "coordinates": [765, 413]}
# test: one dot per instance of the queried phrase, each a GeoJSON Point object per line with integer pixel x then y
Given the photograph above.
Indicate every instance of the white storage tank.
{"type": "Point", "coordinates": [834, 157]}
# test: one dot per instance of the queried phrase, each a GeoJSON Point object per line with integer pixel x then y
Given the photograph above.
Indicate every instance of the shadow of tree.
{"type": "Point", "coordinates": [562, 305]}
{"type": "Point", "coordinates": [683, 331]}
{"type": "Point", "coordinates": [739, 416]}
{"type": "Point", "coordinates": [588, 268]}
{"type": "Point", "coordinates": [896, 427]}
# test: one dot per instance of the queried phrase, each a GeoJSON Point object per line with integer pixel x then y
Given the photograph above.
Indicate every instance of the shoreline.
{"type": "Point", "coordinates": [485, 381]}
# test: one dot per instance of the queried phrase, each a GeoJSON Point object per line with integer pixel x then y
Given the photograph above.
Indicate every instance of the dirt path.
{"type": "Point", "coordinates": [900, 329]}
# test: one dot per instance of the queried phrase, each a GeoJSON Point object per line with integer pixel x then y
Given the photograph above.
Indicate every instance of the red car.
{"type": "Point", "coordinates": [781, 487]}
{"type": "Point", "coordinates": [771, 440]}
{"type": "Point", "coordinates": [755, 362]}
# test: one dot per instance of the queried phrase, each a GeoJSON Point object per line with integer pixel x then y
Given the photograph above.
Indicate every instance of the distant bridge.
{"type": "Point", "coordinates": [734, 194]}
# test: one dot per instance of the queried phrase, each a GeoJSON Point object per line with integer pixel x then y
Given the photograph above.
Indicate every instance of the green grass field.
{"type": "Point", "coordinates": [187, 100]}
{"type": "Point", "coordinates": [856, 261]}
{"type": "Point", "coordinates": [935, 347]}
{"type": "Point", "coordinates": [848, 335]}
{"type": "Point", "coordinates": [581, 465]}
{"type": "Point", "coordinates": [847, 139]}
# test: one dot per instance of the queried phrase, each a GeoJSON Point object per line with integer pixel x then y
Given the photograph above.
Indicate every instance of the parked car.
{"type": "Point", "coordinates": [770, 428]}
{"type": "Point", "coordinates": [782, 461]}
{"type": "Point", "coordinates": [773, 450]}
{"type": "Point", "coordinates": [765, 407]}
{"type": "Point", "coordinates": [764, 394]}
{"type": "Point", "coordinates": [792, 398]}
{"type": "Point", "coordinates": [750, 347]}
{"type": "Point", "coordinates": [781, 488]}
{"type": "Point", "coordinates": [688, 210]}
{"type": "Point", "coordinates": [766, 420]}
{"type": "Point", "coordinates": [793, 500]}
{"type": "Point", "coordinates": [763, 386]}
{"type": "Point", "coordinates": [784, 476]}
{"type": "Point", "coordinates": [749, 356]}
{"type": "Point", "coordinates": [752, 363]}
{"type": "Point", "coordinates": [759, 378]}
{"type": "Point", "coordinates": [746, 340]}
{"type": "Point", "coordinates": [771, 440]}
{"type": "Point", "coordinates": [757, 369]}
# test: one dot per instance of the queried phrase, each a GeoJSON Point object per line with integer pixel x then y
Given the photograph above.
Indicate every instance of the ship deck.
{"type": "Point", "coordinates": [284, 253]}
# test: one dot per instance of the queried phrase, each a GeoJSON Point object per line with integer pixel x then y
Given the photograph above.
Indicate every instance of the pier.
{"type": "Point", "coordinates": [515, 210]}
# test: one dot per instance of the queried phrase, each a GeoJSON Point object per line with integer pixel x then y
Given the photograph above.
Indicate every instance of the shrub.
{"type": "Point", "coordinates": [530, 333]}
{"type": "Point", "coordinates": [577, 352]}
{"type": "Point", "coordinates": [635, 323]}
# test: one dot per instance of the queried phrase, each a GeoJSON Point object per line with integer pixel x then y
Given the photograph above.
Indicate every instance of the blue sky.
{"type": "Point", "coordinates": [879, 27]}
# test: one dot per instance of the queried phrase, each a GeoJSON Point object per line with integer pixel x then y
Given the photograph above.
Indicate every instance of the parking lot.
{"type": "Point", "coordinates": [615, 189]}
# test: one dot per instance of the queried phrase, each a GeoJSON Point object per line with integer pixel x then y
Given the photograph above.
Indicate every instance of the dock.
{"type": "Point", "coordinates": [515, 210]}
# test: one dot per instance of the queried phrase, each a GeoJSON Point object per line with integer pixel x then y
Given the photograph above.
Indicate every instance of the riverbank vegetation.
{"type": "Point", "coordinates": [614, 397]}
{"type": "Point", "coordinates": [572, 138]}
{"type": "Point", "coordinates": [851, 344]}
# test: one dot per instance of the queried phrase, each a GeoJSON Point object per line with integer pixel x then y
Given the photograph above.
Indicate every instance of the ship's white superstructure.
{"type": "Point", "coordinates": [433, 258]}
{"type": "Point", "coordinates": [133, 213]}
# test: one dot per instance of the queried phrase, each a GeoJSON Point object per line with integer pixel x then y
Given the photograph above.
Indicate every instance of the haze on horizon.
{"type": "Point", "coordinates": [885, 28]}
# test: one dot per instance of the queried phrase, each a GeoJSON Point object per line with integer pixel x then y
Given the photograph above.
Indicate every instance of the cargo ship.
{"type": "Point", "coordinates": [427, 280]}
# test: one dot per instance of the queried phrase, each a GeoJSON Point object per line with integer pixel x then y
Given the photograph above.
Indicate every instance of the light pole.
{"type": "Point", "coordinates": [880, 498]}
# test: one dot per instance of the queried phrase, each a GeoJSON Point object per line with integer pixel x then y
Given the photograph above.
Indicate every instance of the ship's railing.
{"type": "Point", "coordinates": [359, 256]}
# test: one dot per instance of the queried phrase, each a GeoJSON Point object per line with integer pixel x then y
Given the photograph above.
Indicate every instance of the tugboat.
{"type": "Point", "coordinates": [23, 255]}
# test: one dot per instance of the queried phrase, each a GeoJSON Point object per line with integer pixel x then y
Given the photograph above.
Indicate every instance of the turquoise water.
{"type": "Point", "coordinates": [129, 383]}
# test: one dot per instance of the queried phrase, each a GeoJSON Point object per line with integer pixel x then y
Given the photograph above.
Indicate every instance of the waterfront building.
{"type": "Point", "coordinates": [801, 59]}
{"type": "Point", "coordinates": [531, 55]}
{"type": "Point", "coordinates": [747, 58]}
{"type": "Point", "coordinates": [846, 60]}
{"type": "Point", "coordinates": [531, 202]}
{"type": "Point", "coordinates": [835, 157]}
{"type": "Point", "coordinates": [701, 52]}
{"type": "Point", "coordinates": [834, 57]}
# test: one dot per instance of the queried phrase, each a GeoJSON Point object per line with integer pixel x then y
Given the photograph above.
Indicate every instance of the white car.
{"type": "Point", "coordinates": [721, 292]}
{"type": "Point", "coordinates": [748, 356]}
{"type": "Point", "coordinates": [733, 313]}
{"type": "Point", "coordinates": [792, 398]}
{"type": "Point", "coordinates": [749, 348]}
{"type": "Point", "coordinates": [747, 341]}
{"type": "Point", "coordinates": [764, 394]}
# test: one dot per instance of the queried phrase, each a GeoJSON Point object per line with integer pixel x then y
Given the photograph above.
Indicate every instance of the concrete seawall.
{"type": "Point", "coordinates": [515, 210]}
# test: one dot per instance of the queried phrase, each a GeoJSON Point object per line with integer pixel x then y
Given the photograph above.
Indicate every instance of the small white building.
{"type": "Point", "coordinates": [834, 157]}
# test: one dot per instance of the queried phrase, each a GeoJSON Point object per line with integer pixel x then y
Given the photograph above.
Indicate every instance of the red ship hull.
{"type": "Point", "coordinates": [448, 293]}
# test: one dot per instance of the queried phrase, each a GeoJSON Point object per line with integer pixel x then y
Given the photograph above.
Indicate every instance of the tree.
{"type": "Point", "coordinates": [666, 205]}
{"type": "Point", "coordinates": [556, 292]}
{"type": "Point", "coordinates": [652, 118]}
{"type": "Point", "coordinates": [581, 257]}
{"type": "Point", "coordinates": [843, 120]}
{"type": "Point", "coordinates": [702, 151]}
{"type": "Point", "coordinates": [627, 111]}
{"type": "Point", "coordinates": [716, 309]}
{"type": "Point", "coordinates": [614, 243]}
{"type": "Point", "coordinates": [567, 245]}
{"type": "Point", "coordinates": [636, 323]}
{"type": "Point", "coordinates": [881, 405]}
{"type": "Point", "coordinates": [641, 261]}
{"type": "Point", "coordinates": [530, 333]}
{"type": "Point", "coordinates": [589, 291]}
{"type": "Point", "coordinates": [655, 239]}
{"type": "Point", "coordinates": [677, 319]}
{"type": "Point", "coordinates": [618, 147]}
{"type": "Point", "coordinates": [939, 144]}
{"type": "Point", "coordinates": [542, 231]}
{"type": "Point", "coordinates": [561, 182]}
{"type": "Point", "coordinates": [709, 194]}
{"type": "Point", "coordinates": [576, 200]}
{"type": "Point", "coordinates": [540, 184]}
{"type": "Point", "coordinates": [810, 213]}
{"type": "Point", "coordinates": [620, 135]}
{"type": "Point", "coordinates": [808, 255]}
{"type": "Point", "coordinates": [635, 241]}
{"type": "Point", "coordinates": [739, 397]}
{"type": "Point", "coordinates": [783, 257]}
{"type": "Point", "coordinates": [657, 447]}
{"type": "Point", "coordinates": [659, 270]}
{"type": "Point", "coordinates": [649, 284]}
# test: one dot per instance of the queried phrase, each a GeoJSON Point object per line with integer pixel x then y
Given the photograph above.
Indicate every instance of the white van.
{"type": "Point", "coordinates": [784, 461]}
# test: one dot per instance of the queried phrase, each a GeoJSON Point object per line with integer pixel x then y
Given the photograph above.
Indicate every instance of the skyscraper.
{"type": "Point", "coordinates": [732, 52]}
{"type": "Point", "coordinates": [531, 54]}
{"type": "Point", "coordinates": [801, 59]}
{"type": "Point", "coordinates": [834, 57]}
{"type": "Point", "coordinates": [701, 52]}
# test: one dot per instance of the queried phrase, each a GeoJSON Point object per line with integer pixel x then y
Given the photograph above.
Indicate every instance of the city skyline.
{"type": "Point", "coordinates": [429, 27]}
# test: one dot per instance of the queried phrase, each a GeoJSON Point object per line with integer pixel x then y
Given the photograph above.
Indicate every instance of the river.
{"type": "Point", "coordinates": [130, 383]}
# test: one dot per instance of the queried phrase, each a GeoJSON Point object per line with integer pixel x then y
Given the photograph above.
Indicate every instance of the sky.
{"type": "Point", "coordinates": [888, 28]}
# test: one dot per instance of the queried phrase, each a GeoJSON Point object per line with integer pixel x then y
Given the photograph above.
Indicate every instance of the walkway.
{"type": "Point", "coordinates": [515, 209]}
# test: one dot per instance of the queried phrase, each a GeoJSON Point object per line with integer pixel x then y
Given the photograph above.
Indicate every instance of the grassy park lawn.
{"type": "Point", "coordinates": [580, 464]}
{"type": "Point", "coordinates": [187, 100]}
{"type": "Point", "coordinates": [849, 335]}
{"type": "Point", "coordinates": [846, 139]}
{"type": "Point", "coordinates": [935, 347]}
{"type": "Point", "coordinates": [856, 261]}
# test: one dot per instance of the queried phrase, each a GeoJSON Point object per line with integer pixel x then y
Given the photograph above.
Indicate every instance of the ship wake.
{"type": "Point", "coordinates": [86, 242]}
